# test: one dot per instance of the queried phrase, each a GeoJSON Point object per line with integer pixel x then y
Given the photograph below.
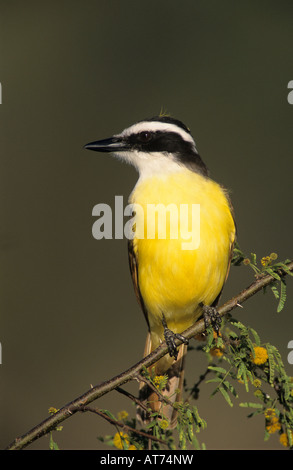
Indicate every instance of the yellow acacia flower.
{"type": "Point", "coordinates": [256, 383]}
{"type": "Point", "coordinates": [52, 410]}
{"type": "Point", "coordinates": [284, 439]}
{"type": "Point", "coordinates": [216, 352]}
{"type": "Point", "coordinates": [273, 425]}
{"type": "Point", "coordinates": [164, 423]}
{"type": "Point", "coordinates": [121, 415]}
{"type": "Point", "coordinates": [121, 440]}
{"type": "Point", "coordinates": [258, 393]}
{"type": "Point", "coordinates": [265, 260]}
{"type": "Point", "coordinates": [260, 355]}
{"type": "Point", "coordinates": [270, 413]}
{"type": "Point", "coordinates": [160, 381]}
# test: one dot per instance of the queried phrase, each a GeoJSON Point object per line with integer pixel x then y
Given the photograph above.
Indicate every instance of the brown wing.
{"type": "Point", "coordinates": [134, 274]}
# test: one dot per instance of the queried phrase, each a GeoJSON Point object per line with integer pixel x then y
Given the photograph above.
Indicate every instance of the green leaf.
{"type": "Point", "coordinates": [108, 413]}
{"type": "Point", "coordinates": [209, 338]}
{"type": "Point", "coordinates": [220, 370]}
{"type": "Point", "coordinates": [284, 267]}
{"type": "Point", "coordinates": [52, 445]}
{"type": "Point", "coordinates": [283, 296]}
{"type": "Point", "coordinates": [151, 424]}
{"type": "Point", "coordinates": [242, 374]}
{"type": "Point", "coordinates": [255, 336]}
{"type": "Point", "coordinates": [230, 387]}
{"type": "Point", "coordinates": [215, 379]}
{"type": "Point", "coordinates": [253, 258]}
{"type": "Point", "coordinates": [272, 273]}
{"type": "Point", "coordinates": [195, 443]}
{"type": "Point", "coordinates": [267, 435]}
{"type": "Point", "coordinates": [226, 396]}
{"type": "Point", "coordinates": [190, 433]}
{"type": "Point", "coordinates": [271, 363]}
{"type": "Point", "coordinates": [289, 435]}
{"type": "Point", "coordinates": [275, 291]}
{"type": "Point", "coordinates": [250, 404]}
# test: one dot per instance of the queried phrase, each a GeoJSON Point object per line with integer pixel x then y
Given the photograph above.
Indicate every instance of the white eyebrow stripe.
{"type": "Point", "coordinates": [153, 126]}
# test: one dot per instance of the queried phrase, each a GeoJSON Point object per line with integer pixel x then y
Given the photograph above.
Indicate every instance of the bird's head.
{"type": "Point", "coordinates": [158, 145]}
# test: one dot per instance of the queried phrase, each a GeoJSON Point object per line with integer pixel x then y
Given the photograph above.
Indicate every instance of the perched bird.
{"type": "Point", "coordinates": [175, 283]}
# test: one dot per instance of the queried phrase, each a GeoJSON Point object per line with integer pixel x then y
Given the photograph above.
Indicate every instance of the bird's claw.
{"type": "Point", "coordinates": [170, 337]}
{"type": "Point", "coordinates": [212, 317]}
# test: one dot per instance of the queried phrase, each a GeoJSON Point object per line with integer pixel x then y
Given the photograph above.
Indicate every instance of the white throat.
{"type": "Point", "coordinates": [151, 164]}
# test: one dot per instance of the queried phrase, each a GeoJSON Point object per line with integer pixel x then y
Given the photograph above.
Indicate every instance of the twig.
{"type": "Point", "coordinates": [105, 387]}
{"type": "Point", "coordinates": [194, 391]}
{"type": "Point", "coordinates": [132, 397]}
{"type": "Point", "coordinates": [122, 425]}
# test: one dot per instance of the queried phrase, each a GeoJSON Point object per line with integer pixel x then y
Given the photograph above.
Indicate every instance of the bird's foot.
{"type": "Point", "coordinates": [170, 337]}
{"type": "Point", "coordinates": [212, 317]}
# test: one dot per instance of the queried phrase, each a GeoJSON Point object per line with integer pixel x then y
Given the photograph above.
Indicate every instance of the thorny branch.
{"type": "Point", "coordinates": [133, 372]}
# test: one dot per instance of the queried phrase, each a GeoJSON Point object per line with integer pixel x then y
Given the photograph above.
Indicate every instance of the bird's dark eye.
{"type": "Point", "coordinates": [145, 136]}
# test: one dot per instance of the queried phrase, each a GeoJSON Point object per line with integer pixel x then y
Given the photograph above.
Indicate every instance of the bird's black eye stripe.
{"type": "Point", "coordinates": [159, 141]}
{"type": "Point", "coordinates": [142, 139]}
{"type": "Point", "coordinates": [166, 142]}
{"type": "Point", "coordinates": [145, 136]}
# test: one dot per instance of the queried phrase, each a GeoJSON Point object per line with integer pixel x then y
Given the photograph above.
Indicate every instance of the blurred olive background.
{"type": "Point", "coordinates": [73, 72]}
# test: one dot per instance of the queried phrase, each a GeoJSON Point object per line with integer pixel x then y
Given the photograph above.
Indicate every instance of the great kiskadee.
{"type": "Point", "coordinates": [174, 286]}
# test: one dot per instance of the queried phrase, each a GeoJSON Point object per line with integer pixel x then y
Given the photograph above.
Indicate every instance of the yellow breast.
{"type": "Point", "coordinates": [174, 279]}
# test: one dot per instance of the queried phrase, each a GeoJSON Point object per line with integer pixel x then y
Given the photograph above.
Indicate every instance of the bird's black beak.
{"type": "Point", "coordinates": [113, 144]}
